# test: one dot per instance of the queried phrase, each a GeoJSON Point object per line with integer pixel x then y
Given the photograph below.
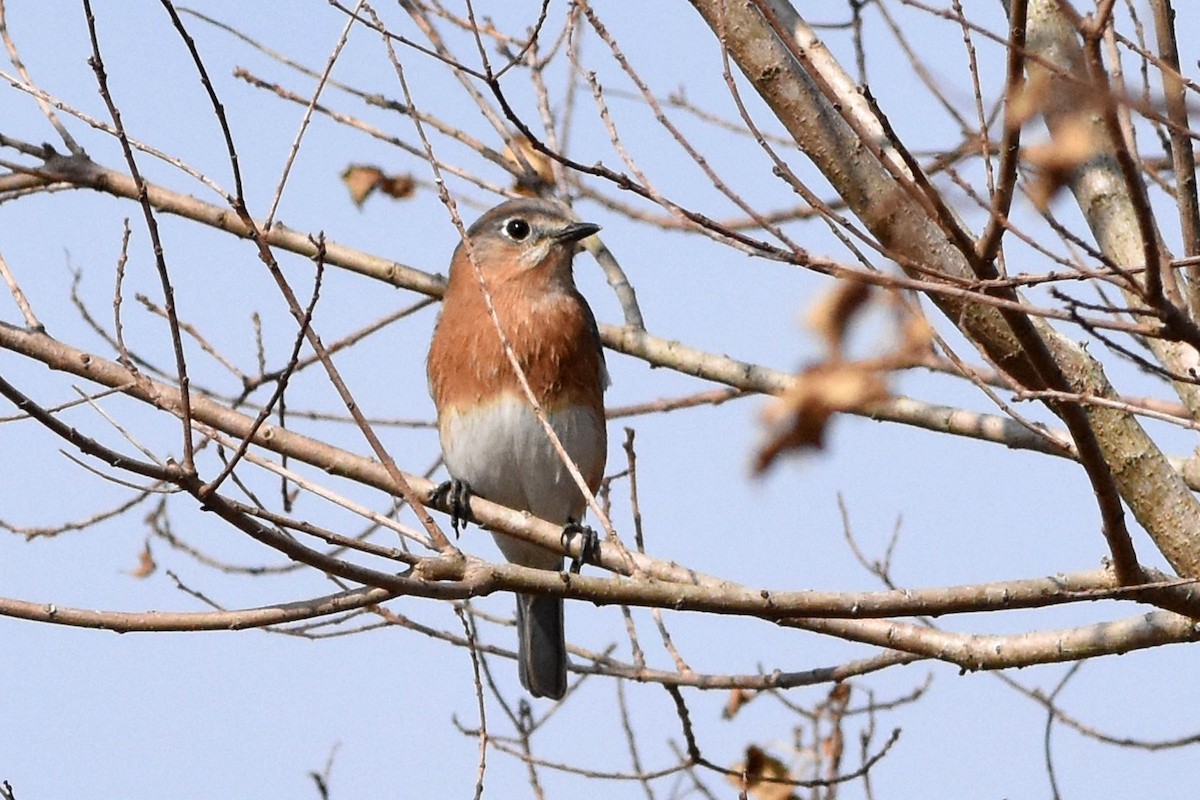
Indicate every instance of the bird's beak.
{"type": "Point", "coordinates": [576, 231]}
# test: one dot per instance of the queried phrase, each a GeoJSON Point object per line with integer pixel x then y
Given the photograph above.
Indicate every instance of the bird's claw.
{"type": "Point", "coordinates": [456, 495]}
{"type": "Point", "coordinates": [589, 544]}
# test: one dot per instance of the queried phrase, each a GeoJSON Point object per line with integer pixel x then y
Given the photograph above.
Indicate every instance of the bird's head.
{"type": "Point", "coordinates": [524, 236]}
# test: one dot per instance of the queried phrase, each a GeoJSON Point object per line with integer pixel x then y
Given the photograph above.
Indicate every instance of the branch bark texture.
{"type": "Point", "coordinates": [876, 189]}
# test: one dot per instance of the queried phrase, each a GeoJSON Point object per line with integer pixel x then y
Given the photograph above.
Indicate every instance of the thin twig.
{"type": "Point", "coordinates": [97, 64]}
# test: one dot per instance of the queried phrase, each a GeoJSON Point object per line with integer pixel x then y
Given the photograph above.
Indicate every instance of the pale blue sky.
{"type": "Point", "coordinates": [249, 714]}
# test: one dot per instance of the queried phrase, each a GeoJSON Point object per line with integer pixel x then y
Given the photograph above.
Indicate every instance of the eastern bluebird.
{"type": "Point", "coordinates": [492, 442]}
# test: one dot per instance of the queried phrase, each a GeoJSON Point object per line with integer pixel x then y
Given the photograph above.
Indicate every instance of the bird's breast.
{"type": "Point", "coordinates": [553, 339]}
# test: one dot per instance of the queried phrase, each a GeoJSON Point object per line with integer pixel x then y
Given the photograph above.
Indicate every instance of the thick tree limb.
{"type": "Point", "coordinates": [1139, 471]}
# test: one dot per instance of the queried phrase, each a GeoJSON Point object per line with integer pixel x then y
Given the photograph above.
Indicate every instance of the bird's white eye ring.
{"type": "Point", "coordinates": [516, 229]}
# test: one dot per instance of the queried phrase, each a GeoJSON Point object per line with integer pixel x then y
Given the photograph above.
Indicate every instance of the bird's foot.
{"type": "Point", "coordinates": [456, 495]}
{"type": "Point", "coordinates": [589, 544]}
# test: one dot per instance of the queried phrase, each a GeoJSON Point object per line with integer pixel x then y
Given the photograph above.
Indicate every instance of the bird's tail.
{"type": "Point", "coordinates": [542, 651]}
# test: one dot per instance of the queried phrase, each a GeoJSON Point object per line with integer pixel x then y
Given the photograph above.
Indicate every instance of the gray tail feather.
{"type": "Point", "coordinates": [542, 652]}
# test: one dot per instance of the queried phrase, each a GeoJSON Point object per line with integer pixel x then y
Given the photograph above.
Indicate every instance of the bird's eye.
{"type": "Point", "coordinates": [516, 229]}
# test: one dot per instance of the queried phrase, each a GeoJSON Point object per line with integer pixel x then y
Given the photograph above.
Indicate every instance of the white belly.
{"type": "Point", "coordinates": [503, 452]}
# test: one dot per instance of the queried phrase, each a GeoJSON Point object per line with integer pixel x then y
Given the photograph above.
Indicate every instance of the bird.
{"type": "Point", "coordinates": [493, 445]}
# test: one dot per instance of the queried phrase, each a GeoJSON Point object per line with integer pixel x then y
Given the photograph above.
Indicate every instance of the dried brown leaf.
{"type": "Point", "coordinates": [758, 773]}
{"type": "Point", "coordinates": [1074, 143]}
{"type": "Point", "coordinates": [363, 179]}
{"type": "Point", "coordinates": [798, 419]}
{"type": "Point", "coordinates": [916, 340]}
{"type": "Point", "coordinates": [146, 564]}
{"type": "Point", "coordinates": [737, 699]}
{"type": "Point", "coordinates": [534, 170]}
{"type": "Point", "coordinates": [832, 748]}
{"type": "Point", "coordinates": [398, 187]}
{"type": "Point", "coordinates": [831, 315]}
{"type": "Point", "coordinates": [838, 696]}
{"type": "Point", "coordinates": [1028, 99]}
